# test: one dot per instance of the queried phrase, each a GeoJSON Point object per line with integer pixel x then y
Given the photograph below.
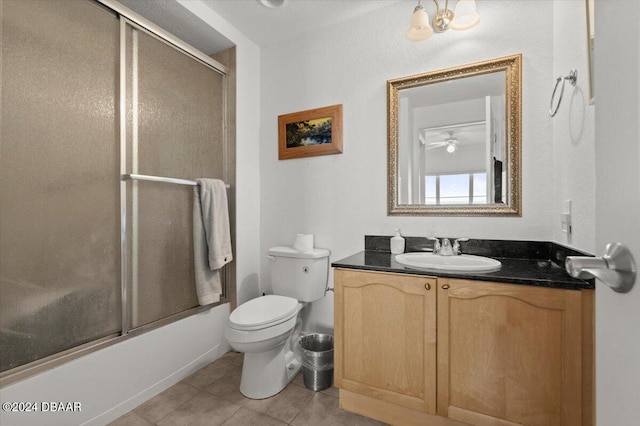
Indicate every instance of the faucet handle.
{"type": "Point", "coordinates": [436, 244]}
{"type": "Point", "coordinates": [456, 245]}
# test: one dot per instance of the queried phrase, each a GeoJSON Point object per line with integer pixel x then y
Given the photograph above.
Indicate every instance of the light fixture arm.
{"type": "Point", "coordinates": [421, 27]}
{"type": "Point", "coordinates": [446, 4]}
{"type": "Point", "coordinates": [442, 17]}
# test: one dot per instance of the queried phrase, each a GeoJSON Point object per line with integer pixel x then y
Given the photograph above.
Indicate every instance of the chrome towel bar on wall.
{"type": "Point", "coordinates": [616, 268]}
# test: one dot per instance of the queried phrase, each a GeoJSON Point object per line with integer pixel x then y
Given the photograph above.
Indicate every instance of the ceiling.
{"type": "Point", "coordinates": [262, 25]}
{"type": "Point", "coordinates": [177, 20]}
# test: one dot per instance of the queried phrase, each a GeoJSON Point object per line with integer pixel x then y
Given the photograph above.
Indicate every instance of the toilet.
{"type": "Point", "coordinates": [266, 328]}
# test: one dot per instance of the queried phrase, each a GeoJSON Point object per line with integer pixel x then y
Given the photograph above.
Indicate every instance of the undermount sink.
{"type": "Point", "coordinates": [461, 263]}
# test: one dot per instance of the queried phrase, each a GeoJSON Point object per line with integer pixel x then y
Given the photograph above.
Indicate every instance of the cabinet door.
{"type": "Point", "coordinates": [385, 337]}
{"type": "Point", "coordinates": [509, 354]}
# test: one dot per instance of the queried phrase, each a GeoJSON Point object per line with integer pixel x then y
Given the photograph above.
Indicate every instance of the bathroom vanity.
{"type": "Point", "coordinates": [510, 347]}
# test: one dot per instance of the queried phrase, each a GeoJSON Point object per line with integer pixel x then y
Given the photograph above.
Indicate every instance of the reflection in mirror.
{"type": "Point", "coordinates": [454, 141]}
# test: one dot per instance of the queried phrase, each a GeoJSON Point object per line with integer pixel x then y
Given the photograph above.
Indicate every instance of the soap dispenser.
{"type": "Point", "coordinates": [397, 243]}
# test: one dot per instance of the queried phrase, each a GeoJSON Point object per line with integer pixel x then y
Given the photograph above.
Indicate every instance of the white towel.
{"type": "Point", "coordinates": [211, 238]}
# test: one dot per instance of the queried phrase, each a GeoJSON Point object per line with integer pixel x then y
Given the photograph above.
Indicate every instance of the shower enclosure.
{"type": "Point", "coordinates": [90, 93]}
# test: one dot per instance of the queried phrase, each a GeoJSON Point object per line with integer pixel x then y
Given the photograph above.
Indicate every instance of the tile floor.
{"type": "Point", "coordinates": [211, 396]}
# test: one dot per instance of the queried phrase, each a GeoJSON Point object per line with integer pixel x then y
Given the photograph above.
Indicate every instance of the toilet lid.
{"type": "Point", "coordinates": [262, 311]}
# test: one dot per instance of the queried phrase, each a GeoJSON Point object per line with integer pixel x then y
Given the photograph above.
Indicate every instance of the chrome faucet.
{"type": "Point", "coordinates": [436, 244]}
{"type": "Point", "coordinates": [456, 245]}
{"type": "Point", "coordinates": [445, 248]}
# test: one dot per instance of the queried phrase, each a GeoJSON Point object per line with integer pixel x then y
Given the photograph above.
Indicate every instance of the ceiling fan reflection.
{"type": "Point", "coordinates": [450, 144]}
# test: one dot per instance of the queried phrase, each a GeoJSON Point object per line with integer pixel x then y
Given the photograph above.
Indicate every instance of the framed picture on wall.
{"type": "Point", "coordinates": [590, 46]}
{"type": "Point", "coordinates": [309, 133]}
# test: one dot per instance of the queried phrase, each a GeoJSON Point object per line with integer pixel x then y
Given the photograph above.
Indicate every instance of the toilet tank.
{"type": "Point", "coordinates": [301, 275]}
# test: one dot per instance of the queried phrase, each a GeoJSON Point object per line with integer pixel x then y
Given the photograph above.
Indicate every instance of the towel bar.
{"type": "Point", "coordinates": [162, 179]}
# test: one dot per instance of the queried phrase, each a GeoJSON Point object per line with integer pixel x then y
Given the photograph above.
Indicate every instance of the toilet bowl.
{"type": "Point", "coordinates": [266, 328]}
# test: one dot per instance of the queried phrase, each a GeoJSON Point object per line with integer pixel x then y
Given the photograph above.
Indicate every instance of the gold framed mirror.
{"type": "Point", "coordinates": [454, 141]}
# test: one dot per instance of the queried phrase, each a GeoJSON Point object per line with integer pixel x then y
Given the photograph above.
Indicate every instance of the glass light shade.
{"type": "Point", "coordinates": [465, 15]}
{"type": "Point", "coordinates": [271, 3]}
{"type": "Point", "coordinates": [419, 27]}
{"type": "Point", "coordinates": [451, 148]}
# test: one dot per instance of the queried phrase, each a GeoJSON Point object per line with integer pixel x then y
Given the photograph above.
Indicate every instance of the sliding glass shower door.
{"type": "Point", "coordinates": [88, 96]}
{"type": "Point", "coordinates": [176, 130]}
{"type": "Point", "coordinates": [59, 212]}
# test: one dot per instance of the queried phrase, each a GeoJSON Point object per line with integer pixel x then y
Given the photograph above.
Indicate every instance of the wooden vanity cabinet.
{"type": "Point", "coordinates": [506, 355]}
{"type": "Point", "coordinates": [385, 339]}
{"type": "Point", "coordinates": [514, 355]}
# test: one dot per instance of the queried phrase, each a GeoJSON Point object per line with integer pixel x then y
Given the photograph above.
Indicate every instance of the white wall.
{"type": "Point", "coordinates": [573, 128]}
{"type": "Point", "coordinates": [112, 381]}
{"type": "Point", "coordinates": [340, 198]}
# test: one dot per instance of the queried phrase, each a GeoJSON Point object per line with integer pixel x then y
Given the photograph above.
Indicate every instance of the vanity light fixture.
{"type": "Point", "coordinates": [464, 17]}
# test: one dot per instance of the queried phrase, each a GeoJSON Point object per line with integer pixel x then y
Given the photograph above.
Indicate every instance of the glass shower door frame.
{"type": "Point", "coordinates": [129, 232]}
{"type": "Point", "coordinates": [130, 18]}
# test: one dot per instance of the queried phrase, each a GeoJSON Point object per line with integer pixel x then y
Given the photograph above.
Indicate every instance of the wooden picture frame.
{"type": "Point", "coordinates": [310, 133]}
{"type": "Point", "coordinates": [590, 6]}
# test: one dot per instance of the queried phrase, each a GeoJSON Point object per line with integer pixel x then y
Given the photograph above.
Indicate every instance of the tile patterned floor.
{"type": "Point", "coordinates": [211, 396]}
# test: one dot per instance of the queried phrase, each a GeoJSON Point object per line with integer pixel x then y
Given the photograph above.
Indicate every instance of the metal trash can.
{"type": "Point", "coordinates": [316, 351]}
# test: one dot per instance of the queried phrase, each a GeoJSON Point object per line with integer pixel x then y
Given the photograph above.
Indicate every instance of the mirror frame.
{"type": "Point", "coordinates": [512, 65]}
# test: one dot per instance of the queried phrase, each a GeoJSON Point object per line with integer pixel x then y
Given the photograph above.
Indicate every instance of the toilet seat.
{"type": "Point", "coordinates": [263, 312]}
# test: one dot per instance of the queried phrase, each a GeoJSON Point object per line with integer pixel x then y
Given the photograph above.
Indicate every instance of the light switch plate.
{"type": "Point", "coordinates": [566, 219]}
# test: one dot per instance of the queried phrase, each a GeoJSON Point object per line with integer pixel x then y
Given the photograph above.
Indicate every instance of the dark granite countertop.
{"type": "Point", "coordinates": [539, 267]}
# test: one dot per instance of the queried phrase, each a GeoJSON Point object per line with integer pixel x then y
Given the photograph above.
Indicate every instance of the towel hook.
{"type": "Point", "coordinates": [573, 79]}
